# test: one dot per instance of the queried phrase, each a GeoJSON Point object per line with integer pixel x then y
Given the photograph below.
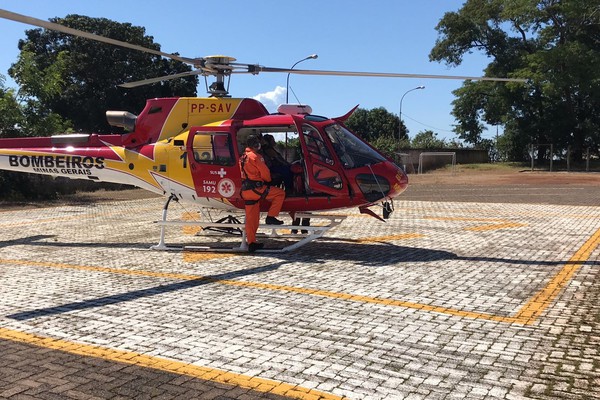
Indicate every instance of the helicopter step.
{"type": "Point", "coordinates": [275, 233]}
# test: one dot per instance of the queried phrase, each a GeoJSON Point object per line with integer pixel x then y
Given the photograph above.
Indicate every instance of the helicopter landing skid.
{"type": "Point", "coordinates": [274, 233]}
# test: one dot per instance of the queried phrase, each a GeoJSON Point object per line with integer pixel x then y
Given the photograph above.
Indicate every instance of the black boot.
{"type": "Point", "coordinates": [296, 222]}
{"type": "Point", "coordinates": [305, 222]}
{"type": "Point", "coordinates": [273, 221]}
{"type": "Point", "coordinates": [252, 247]}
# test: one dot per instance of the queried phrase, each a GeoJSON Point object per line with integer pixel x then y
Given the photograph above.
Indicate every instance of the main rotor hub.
{"type": "Point", "coordinates": [218, 66]}
{"type": "Point", "coordinates": [218, 60]}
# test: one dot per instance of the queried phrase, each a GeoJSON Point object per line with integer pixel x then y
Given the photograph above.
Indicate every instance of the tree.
{"type": "Point", "coordinates": [427, 139]}
{"type": "Point", "coordinates": [11, 114]}
{"type": "Point", "coordinates": [554, 43]}
{"type": "Point", "coordinates": [15, 119]}
{"type": "Point", "coordinates": [77, 78]}
{"type": "Point", "coordinates": [380, 128]}
{"type": "Point", "coordinates": [374, 123]}
{"type": "Point", "coordinates": [22, 119]}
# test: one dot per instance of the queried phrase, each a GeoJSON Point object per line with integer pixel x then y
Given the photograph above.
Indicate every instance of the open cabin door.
{"type": "Point", "coordinates": [213, 162]}
{"type": "Point", "coordinates": [322, 172]}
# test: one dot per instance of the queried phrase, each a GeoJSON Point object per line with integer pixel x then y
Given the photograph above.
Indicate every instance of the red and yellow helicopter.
{"type": "Point", "coordinates": [188, 148]}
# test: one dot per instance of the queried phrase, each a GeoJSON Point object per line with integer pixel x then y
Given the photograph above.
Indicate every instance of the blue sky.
{"type": "Point", "coordinates": [381, 36]}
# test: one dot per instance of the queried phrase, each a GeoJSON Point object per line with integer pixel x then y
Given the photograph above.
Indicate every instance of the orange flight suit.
{"type": "Point", "coordinates": [254, 168]}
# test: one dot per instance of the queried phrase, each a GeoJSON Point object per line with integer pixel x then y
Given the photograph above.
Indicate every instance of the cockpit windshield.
{"type": "Point", "coordinates": [352, 151]}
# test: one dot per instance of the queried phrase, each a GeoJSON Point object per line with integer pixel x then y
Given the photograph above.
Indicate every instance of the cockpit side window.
{"type": "Point", "coordinates": [352, 151]}
{"type": "Point", "coordinates": [212, 148]}
{"type": "Point", "coordinates": [321, 165]}
{"type": "Point", "coordinates": [315, 145]}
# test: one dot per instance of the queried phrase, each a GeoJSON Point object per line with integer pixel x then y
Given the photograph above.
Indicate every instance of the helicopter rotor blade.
{"type": "Point", "coordinates": [386, 74]}
{"type": "Point", "coordinates": [129, 85]}
{"type": "Point", "coordinates": [222, 65]}
{"type": "Point", "coordinates": [75, 32]}
{"type": "Point", "coordinates": [255, 69]}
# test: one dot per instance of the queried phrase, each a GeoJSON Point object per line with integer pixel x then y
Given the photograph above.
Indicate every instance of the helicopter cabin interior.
{"type": "Point", "coordinates": [311, 168]}
{"type": "Point", "coordinates": [288, 172]}
{"type": "Point", "coordinates": [293, 176]}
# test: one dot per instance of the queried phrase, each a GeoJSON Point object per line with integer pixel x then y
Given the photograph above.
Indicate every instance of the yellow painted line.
{"type": "Point", "coordinates": [195, 256]}
{"type": "Point", "coordinates": [143, 360]}
{"type": "Point", "coordinates": [495, 226]}
{"type": "Point", "coordinates": [367, 299]}
{"type": "Point", "coordinates": [538, 214]}
{"type": "Point", "coordinates": [498, 223]}
{"type": "Point", "coordinates": [389, 238]}
{"type": "Point", "coordinates": [539, 302]}
{"type": "Point", "coordinates": [120, 271]}
{"type": "Point", "coordinates": [465, 219]}
{"type": "Point", "coordinates": [526, 315]}
{"type": "Point", "coordinates": [267, 286]}
{"type": "Point", "coordinates": [190, 230]}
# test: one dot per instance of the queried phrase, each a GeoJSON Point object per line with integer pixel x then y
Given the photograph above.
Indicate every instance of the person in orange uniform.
{"type": "Point", "coordinates": [255, 187]}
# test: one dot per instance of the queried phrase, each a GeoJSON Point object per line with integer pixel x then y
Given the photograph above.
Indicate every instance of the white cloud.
{"type": "Point", "coordinates": [272, 99]}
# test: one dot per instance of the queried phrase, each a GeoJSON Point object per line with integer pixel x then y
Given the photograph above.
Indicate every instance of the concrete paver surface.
{"type": "Point", "coordinates": [447, 299]}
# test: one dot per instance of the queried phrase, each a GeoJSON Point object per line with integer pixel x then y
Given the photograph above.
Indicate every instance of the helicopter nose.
{"type": "Point", "coordinates": [402, 177]}
{"type": "Point", "coordinates": [400, 184]}
{"type": "Point", "coordinates": [373, 186]}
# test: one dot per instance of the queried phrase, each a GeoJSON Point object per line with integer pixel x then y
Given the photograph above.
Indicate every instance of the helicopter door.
{"type": "Point", "coordinates": [212, 162]}
{"type": "Point", "coordinates": [322, 172]}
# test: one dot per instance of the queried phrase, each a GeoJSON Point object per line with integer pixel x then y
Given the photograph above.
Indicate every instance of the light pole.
{"type": "Point", "coordinates": [287, 88]}
{"type": "Point", "coordinates": [402, 98]}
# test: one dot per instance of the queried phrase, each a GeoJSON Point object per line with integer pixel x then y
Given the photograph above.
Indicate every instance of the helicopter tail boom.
{"type": "Point", "coordinates": [78, 156]}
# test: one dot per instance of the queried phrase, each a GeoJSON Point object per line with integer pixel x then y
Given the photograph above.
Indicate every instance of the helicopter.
{"type": "Point", "coordinates": [188, 148]}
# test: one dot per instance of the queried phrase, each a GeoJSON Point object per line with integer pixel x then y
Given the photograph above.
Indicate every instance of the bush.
{"type": "Point", "coordinates": [389, 145]}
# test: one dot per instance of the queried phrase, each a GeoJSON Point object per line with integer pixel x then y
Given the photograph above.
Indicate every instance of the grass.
{"type": "Point", "coordinates": [484, 167]}
{"type": "Point", "coordinates": [508, 167]}
{"type": "Point", "coordinates": [498, 167]}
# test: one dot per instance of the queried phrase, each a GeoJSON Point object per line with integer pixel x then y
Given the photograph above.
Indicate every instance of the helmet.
{"type": "Point", "coordinates": [253, 141]}
{"type": "Point", "coordinates": [269, 138]}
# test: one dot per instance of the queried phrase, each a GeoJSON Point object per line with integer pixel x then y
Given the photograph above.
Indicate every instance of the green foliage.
{"type": "Point", "coordinates": [77, 78]}
{"type": "Point", "coordinates": [427, 140]}
{"type": "Point", "coordinates": [16, 119]}
{"type": "Point", "coordinates": [380, 128]}
{"type": "Point", "coordinates": [375, 123]}
{"type": "Point", "coordinates": [39, 121]}
{"type": "Point", "coordinates": [11, 113]}
{"type": "Point", "coordinates": [389, 145]}
{"type": "Point", "coordinates": [17, 186]}
{"type": "Point", "coordinates": [555, 44]}
{"type": "Point", "coordinates": [27, 118]}
{"type": "Point", "coordinates": [512, 146]}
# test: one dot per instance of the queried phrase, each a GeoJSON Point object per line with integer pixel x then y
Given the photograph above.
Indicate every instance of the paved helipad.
{"type": "Point", "coordinates": [445, 300]}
